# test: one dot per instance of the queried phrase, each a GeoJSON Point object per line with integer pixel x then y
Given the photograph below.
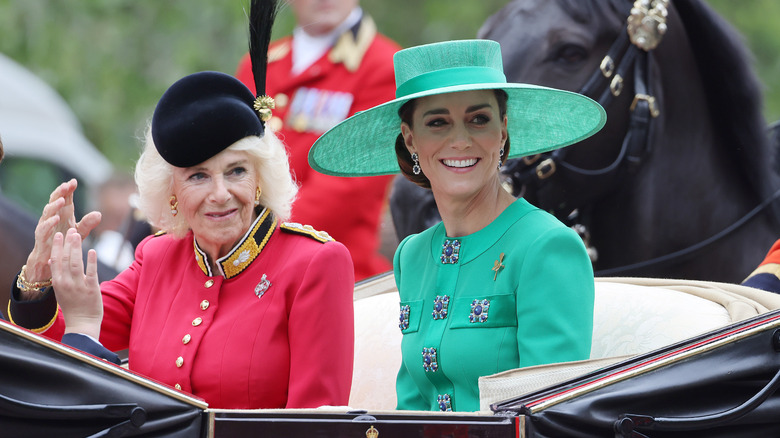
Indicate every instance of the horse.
{"type": "Point", "coordinates": [680, 182]}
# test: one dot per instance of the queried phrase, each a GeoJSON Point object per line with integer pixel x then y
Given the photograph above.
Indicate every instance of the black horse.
{"type": "Point", "coordinates": [680, 182]}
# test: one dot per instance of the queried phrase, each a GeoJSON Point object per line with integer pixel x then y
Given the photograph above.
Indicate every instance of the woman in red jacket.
{"type": "Point", "coordinates": [230, 303]}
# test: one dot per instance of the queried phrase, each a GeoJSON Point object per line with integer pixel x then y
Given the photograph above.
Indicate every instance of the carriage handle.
{"type": "Point", "coordinates": [626, 423]}
{"type": "Point", "coordinates": [134, 415]}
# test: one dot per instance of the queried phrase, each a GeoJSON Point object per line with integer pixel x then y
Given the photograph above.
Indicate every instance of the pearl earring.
{"type": "Point", "coordinates": [174, 205]}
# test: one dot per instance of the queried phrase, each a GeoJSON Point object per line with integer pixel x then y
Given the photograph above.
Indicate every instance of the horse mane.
{"type": "Point", "coordinates": [734, 93]}
{"type": "Point", "coordinates": [584, 11]}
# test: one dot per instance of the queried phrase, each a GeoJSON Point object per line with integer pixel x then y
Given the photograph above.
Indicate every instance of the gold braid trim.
{"type": "Point", "coordinates": [35, 330]}
{"type": "Point", "coordinates": [769, 268]}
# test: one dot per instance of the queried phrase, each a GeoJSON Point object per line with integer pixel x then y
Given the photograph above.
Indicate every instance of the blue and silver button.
{"type": "Point", "coordinates": [479, 311]}
{"type": "Point", "coordinates": [440, 305]}
{"type": "Point", "coordinates": [430, 362]}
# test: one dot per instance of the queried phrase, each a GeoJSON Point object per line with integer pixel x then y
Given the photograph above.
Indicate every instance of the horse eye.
{"type": "Point", "coordinates": [571, 54]}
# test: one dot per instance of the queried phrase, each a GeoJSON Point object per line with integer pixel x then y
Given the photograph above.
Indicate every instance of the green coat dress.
{"type": "Point", "coordinates": [517, 293]}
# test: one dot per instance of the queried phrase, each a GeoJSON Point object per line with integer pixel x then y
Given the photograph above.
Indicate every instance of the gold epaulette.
{"type": "Point", "coordinates": [350, 49]}
{"type": "Point", "coordinates": [279, 49]}
{"type": "Point", "coordinates": [306, 230]}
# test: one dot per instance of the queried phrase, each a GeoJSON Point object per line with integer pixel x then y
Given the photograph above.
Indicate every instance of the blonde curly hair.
{"type": "Point", "coordinates": [154, 178]}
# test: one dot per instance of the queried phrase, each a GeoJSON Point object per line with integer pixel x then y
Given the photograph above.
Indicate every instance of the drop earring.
{"type": "Point", "coordinates": [500, 158]}
{"type": "Point", "coordinates": [416, 160]}
{"type": "Point", "coordinates": [257, 195]}
{"type": "Point", "coordinates": [174, 205]}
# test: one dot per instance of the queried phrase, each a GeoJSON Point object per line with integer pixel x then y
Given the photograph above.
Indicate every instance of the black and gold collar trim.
{"type": "Point", "coordinates": [245, 252]}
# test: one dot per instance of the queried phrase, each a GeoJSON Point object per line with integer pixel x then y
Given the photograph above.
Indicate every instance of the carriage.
{"type": "Point", "coordinates": [669, 358]}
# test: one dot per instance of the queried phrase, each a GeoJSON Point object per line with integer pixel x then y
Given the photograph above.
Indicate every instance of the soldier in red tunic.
{"type": "Point", "coordinates": [334, 64]}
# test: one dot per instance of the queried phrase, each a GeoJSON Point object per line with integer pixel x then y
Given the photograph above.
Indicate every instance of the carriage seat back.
{"type": "Point", "coordinates": [631, 316]}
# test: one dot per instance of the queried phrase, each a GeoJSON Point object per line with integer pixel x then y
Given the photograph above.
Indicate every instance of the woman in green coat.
{"type": "Point", "coordinates": [498, 284]}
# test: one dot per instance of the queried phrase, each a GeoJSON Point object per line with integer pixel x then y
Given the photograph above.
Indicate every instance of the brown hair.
{"type": "Point", "coordinates": [405, 158]}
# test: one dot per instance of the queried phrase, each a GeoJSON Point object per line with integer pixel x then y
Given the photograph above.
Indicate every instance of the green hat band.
{"type": "Point", "coordinates": [449, 77]}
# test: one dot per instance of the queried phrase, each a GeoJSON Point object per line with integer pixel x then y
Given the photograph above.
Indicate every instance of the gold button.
{"type": "Point", "coordinates": [275, 124]}
{"type": "Point", "coordinates": [196, 322]}
{"type": "Point", "coordinates": [204, 304]}
{"type": "Point", "coordinates": [177, 386]}
{"type": "Point", "coordinates": [179, 361]}
{"type": "Point", "coordinates": [281, 100]}
{"type": "Point", "coordinates": [186, 339]}
{"type": "Point", "coordinates": [209, 283]}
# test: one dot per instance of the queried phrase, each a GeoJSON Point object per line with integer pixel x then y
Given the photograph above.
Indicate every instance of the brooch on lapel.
{"type": "Point", "coordinates": [262, 286]}
{"type": "Point", "coordinates": [497, 265]}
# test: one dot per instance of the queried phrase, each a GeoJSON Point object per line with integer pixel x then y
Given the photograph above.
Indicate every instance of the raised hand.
{"type": "Point", "coordinates": [77, 290]}
{"type": "Point", "coordinates": [58, 216]}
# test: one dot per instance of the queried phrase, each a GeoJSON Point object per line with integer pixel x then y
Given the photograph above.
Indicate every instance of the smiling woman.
{"type": "Point", "coordinates": [228, 302]}
{"type": "Point", "coordinates": [498, 284]}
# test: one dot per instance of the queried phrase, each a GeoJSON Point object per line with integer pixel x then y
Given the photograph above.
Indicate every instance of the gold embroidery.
{"type": "Point", "coordinates": [248, 249]}
{"type": "Point", "coordinates": [307, 230]}
{"type": "Point", "coordinates": [243, 255]}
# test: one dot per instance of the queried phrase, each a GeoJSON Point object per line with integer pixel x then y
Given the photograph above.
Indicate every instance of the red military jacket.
{"type": "Point", "coordinates": [274, 329]}
{"type": "Point", "coordinates": [356, 74]}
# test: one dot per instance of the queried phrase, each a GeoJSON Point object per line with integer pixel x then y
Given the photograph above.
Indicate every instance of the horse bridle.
{"type": "Point", "coordinates": [643, 31]}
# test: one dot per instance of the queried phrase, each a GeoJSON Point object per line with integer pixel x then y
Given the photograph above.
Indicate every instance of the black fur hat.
{"type": "Point", "coordinates": [202, 114]}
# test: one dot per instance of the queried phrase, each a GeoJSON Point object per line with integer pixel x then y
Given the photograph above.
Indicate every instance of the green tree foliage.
{"type": "Point", "coordinates": [112, 59]}
{"type": "Point", "coordinates": [757, 21]}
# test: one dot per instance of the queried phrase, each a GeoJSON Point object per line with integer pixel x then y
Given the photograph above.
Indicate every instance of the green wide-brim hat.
{"type": "Point", "coordinates": [540, 119]}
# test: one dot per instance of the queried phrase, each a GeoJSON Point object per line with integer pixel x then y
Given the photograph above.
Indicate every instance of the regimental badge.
{"type": "Point", "coordinates": [445, 402]}
{"type": "Point", "coordinates": [440, 305]}
{"type": "Point", "coordinates": [430, 362]}
{"type": "Point", "coordinates": [479, 311]}
{"type": "Point", "coordinates": [404, 318]}
{"type": "Point", "coordinates": [243, 256]}
{"type": "Point", "coordinates": [450, 251]}
{"type": "Point", "coordinates": [262, 287]}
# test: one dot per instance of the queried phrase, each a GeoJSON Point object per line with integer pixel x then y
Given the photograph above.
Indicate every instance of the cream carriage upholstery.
{"type": "Point", "coordinates": [631, 316]}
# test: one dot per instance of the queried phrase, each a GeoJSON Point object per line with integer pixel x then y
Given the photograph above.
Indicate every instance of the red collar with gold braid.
{"type": "Point", "coordinates": [245, 252]}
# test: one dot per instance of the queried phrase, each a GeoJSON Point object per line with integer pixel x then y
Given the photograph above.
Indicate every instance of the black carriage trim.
{"type": "Point", "coordinates": [537, 402]}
